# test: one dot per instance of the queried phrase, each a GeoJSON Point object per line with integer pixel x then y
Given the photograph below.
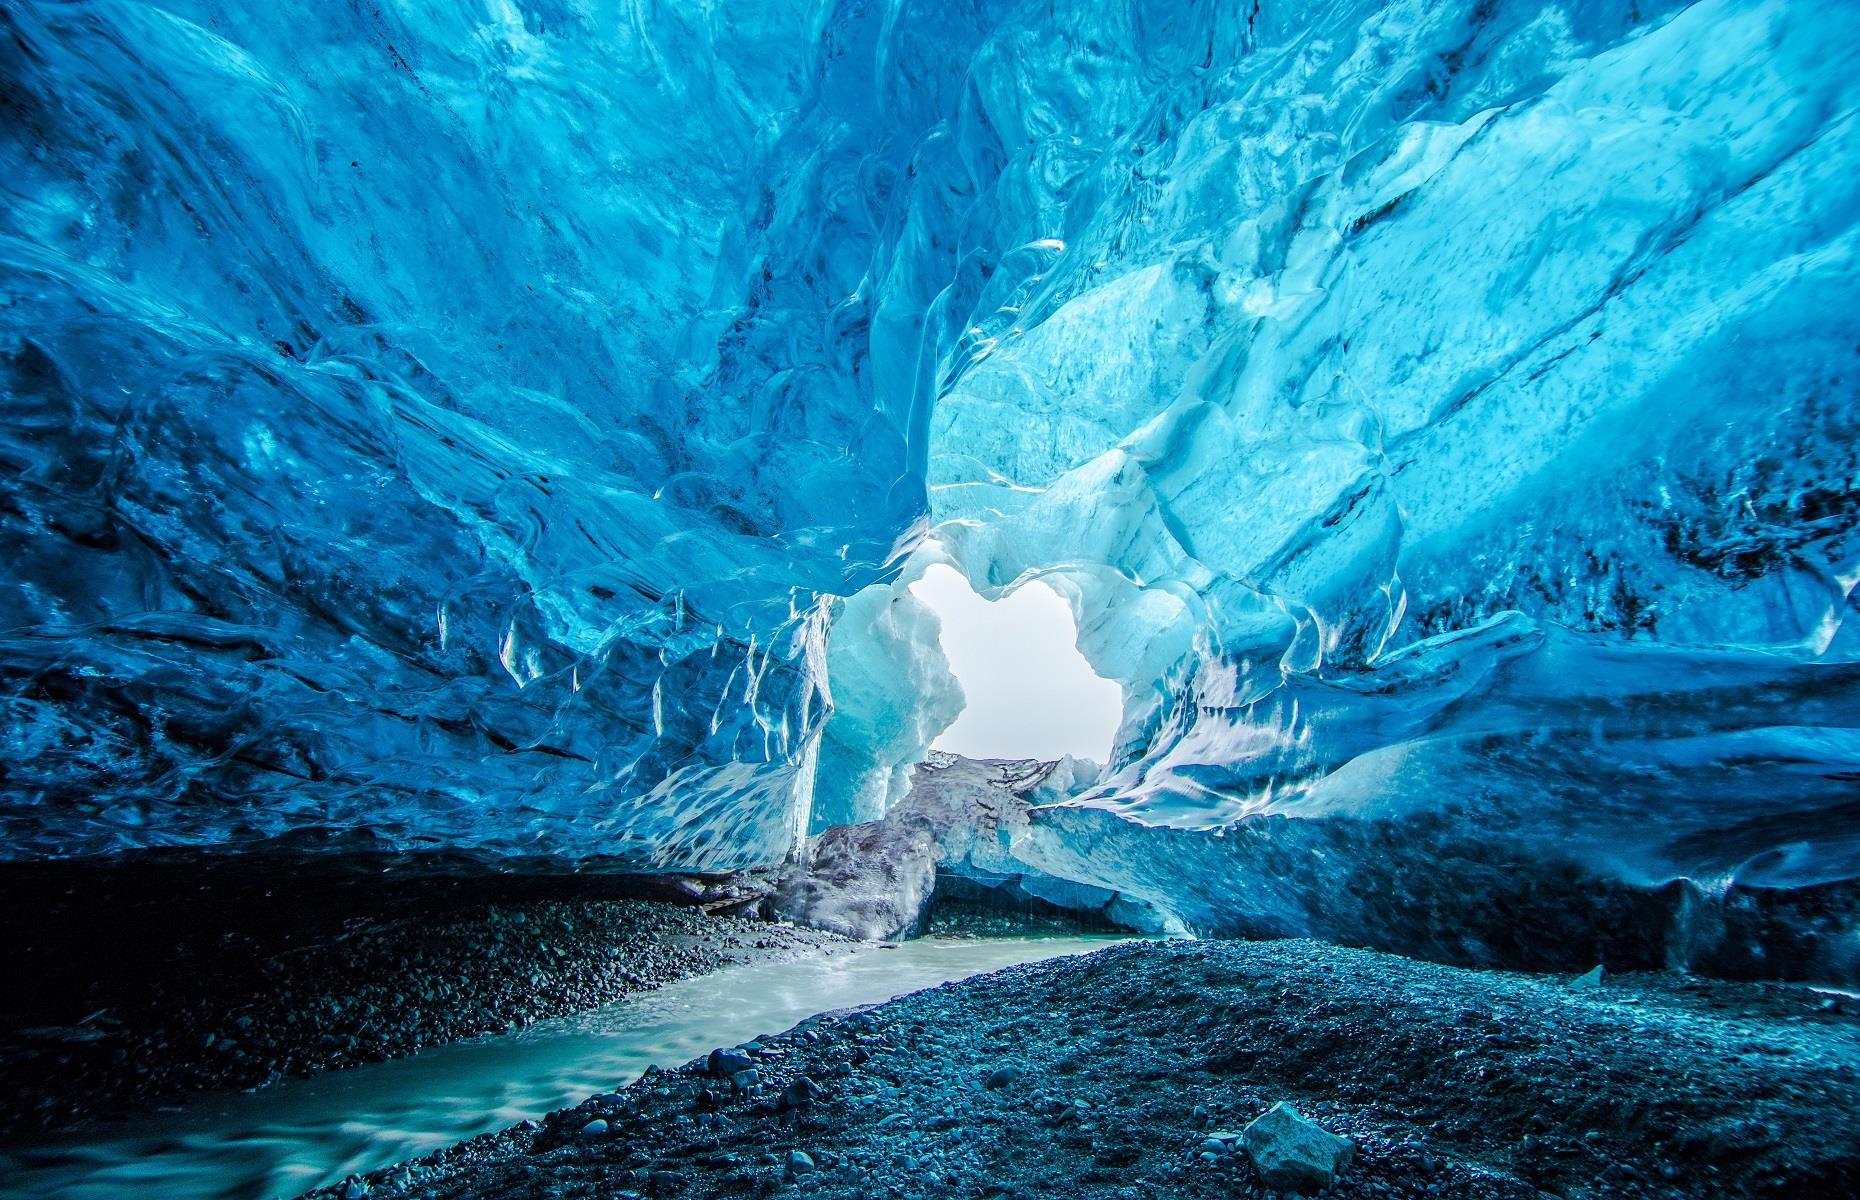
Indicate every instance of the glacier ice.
{"type": "Point", "coordinates": [507, 428]}
{"type": "Point", "coordinates": [892, 694]}
{"type": "Point", "coordinates": [1490, 461]}
{"type": "Point", "coordinates": [895, 692]}
{"type": "Point", "coordinates": [407, 427]}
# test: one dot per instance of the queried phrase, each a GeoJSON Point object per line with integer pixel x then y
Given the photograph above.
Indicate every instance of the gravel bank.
{"type": "Point", "coordinates": [1117, 1074]}
{"type": "Point", "coordinates": [145, 993]}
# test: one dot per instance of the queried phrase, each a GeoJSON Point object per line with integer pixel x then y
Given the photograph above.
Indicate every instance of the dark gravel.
{"type": "Point", "coordinates": [254, 984]}
{"type": "Point", "coordinates": [1105, 1075]}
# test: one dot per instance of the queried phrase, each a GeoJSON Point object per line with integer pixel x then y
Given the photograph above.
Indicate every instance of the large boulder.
{"type": "Point", "coordinates": [872, 880]}
{"type": "Point", "coordinates": [965, 821]}
{"type": "Point", "coordinates": [1293, 1153]}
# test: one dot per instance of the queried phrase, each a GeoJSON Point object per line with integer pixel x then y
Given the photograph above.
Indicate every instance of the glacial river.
{"type": "Point", "coordinates": [284, 1139]}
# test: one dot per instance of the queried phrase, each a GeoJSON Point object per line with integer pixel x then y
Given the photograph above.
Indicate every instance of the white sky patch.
{"type": "Point", "coordinates": [1031, 693]}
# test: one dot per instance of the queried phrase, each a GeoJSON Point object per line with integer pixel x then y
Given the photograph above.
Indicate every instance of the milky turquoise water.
{"type": "Point", "coordinates": [284, 1139]}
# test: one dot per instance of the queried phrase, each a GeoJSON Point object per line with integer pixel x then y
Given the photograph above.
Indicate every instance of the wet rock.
{"type": "Point", "coordinates": [801, 1090]}
{"type": "Point", "coordinates": [728, 1062]}
{"type": "Point", "coordinates": [595, 1127]}
{"type": "Point", "coordinates": [1002, 1077]}
{"type": "Point", "coordinates": [1293, 1153]}
{"type": "Point", "coordinates": [800, 1162]}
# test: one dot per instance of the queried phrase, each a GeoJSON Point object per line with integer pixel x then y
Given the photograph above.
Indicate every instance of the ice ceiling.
{"type": "Point", "coordinates": [467, 422]}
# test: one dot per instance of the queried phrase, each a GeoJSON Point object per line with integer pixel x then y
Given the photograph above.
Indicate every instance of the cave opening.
{"type": "Point", "coordinates": [1029, 692]}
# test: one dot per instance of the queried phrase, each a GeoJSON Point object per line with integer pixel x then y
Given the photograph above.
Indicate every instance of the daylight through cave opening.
{"type": "Point", "coordinates": [1029, 692]}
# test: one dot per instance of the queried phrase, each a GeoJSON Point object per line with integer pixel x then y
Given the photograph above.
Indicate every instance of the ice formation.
{"type": "Point", "coordinates": [893, 693]}
{"type": "Point", "coordinates": [444, 421]}
{"type": "Point", "coordinates": [481, 425]}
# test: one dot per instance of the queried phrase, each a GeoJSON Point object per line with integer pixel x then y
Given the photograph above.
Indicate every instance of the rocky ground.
{"type": "Point", "coordinates": [1127, 1073]}
{"type": "Point", "coordinates": [130, 992]}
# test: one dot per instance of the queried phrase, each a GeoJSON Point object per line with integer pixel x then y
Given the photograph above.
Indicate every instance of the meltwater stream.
{"type": "Point", "coordinates": [302, 1133]}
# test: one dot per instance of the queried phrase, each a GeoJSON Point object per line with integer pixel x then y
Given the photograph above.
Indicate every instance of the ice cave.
{"type": "Point", "coordinates": [872, 598]}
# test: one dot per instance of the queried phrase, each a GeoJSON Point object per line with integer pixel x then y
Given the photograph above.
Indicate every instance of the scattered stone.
{"type": "Point", "coordinates": [800, 1090]}
{"type": "Point", "coordinates": [1293, 1153]}
{"type": "Point", "coordinates": [355, 1189]}
{"type": "Point", "coordinates": [728, 1062]}
{"type": "Point", "coordinates": [1002, 1077]}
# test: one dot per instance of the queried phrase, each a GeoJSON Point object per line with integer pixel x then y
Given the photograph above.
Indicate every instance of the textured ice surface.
{"type": "Point", "coordinates": [892, 694]}
{"type": "Point", "coordinates": [1447, 416]}
{"type": "Point", "coordinates": [463, 423]}
{"type": "Point", "coordinates": [440, 419]}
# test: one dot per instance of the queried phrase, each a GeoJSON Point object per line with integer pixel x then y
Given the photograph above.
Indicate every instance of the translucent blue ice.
{"type": "Point", "coordinates": [1462, 400]}
{"type": "Point", "coordinates": [443, 420]}
{"type": "Point", "coordinates": [467, 423]}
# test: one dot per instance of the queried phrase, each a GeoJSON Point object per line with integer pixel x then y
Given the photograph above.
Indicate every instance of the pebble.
{"type": "Point", "coordinates": [800, 1162]}
{"type": "Point", "coordinates": [596, 1126]}
{"type": "Point", "coordinates": [1002, 1077]}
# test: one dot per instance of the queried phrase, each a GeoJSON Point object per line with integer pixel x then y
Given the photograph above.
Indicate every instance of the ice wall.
{"type": "Point", "coordinates": [892, 693]}
{"type": "Point", "coordinates": [443, 420]}
{"type": "Point", "coordinates": [1446, 410]}
{"type": "Point", "coordinates": [1438, 311]}
{"type": "Point", "coordinates": [464, 421]}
